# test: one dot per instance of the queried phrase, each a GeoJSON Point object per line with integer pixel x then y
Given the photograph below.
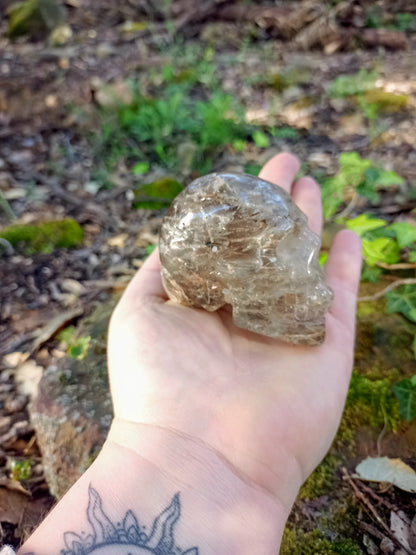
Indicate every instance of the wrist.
{"type": "Point", "coordinates": [222, 511]}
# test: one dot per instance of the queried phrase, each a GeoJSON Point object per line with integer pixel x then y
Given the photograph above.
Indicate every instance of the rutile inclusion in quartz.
{"type": "Point", "coordinates": [239, 240]}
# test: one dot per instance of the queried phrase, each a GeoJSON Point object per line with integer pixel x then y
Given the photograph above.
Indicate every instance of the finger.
{"type": "Point", "coordinates": [307, 195]}
{"type": "Point", "coordinates": [147, 283]}
{"type": "Point", "coordinates": [281, 170]}
{"type": "Point", "coordinates": [343, 272]}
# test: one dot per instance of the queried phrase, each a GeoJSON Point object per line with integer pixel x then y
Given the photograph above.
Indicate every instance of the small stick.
{"type": "Point", "coordinates": [394, 285]}
{"type": "Point", "coordinates": [400, 266]}
{"type": "Point", "coordinates": [361, 497]}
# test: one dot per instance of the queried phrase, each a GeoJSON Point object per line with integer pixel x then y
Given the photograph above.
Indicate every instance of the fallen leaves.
{"type": "Point", "coordinates": [384, 469]}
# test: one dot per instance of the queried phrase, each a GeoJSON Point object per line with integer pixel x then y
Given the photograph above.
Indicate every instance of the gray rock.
{"type": "Point", "coordinates": [73, 411]}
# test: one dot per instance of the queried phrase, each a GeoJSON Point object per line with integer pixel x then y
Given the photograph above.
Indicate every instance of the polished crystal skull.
{"type": "Point", "coordinates": [240, 240]}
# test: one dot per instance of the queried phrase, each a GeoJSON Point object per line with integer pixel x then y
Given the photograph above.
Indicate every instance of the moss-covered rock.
{"type": "Point", "coordinates": [34, 17]}
{"type": "Point", "coordinates": [45, 236]}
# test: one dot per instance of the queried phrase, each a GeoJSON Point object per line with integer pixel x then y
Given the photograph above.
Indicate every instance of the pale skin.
{"type": "Point", "coordinates": [233, 420]}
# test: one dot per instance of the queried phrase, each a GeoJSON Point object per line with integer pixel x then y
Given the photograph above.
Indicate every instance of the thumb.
{"type": "Point", "coordinates": [146, 284]}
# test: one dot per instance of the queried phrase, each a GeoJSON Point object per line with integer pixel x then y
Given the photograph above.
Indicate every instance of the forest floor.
{"type": "Point", "coordinates": [69, 148]}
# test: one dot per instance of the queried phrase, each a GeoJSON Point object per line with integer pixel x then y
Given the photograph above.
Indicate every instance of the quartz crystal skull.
{"type": "Point", "coordinates": [239, 240]}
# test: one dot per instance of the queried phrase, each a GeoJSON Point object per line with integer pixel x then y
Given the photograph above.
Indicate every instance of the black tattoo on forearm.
{"type": "Point", "coordinates": [127, 537]}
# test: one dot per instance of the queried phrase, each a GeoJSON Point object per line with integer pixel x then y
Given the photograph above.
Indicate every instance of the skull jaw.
{"type": "Point", "coordinates": [310, 332]}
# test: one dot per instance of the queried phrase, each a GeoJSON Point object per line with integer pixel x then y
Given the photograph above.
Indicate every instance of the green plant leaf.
{"type": "Point", "coordinates": [412, 256]}
{"type": "Point", "coordinates": [403, 300]}
{"type": "Point", "coordinates": [370, 273]}
{"type": "Point", "coordinates": [261, 139]}
{"type": "Point", "coordinates": [252, 168]}
{"type": "Point", "coordinates": [284, 132]}
{"type": "Point", "coordinates": [382, 249]}
{"type": "Point", "coordinates": [363, 223]}
{"type": "Point", "coordinates": [348, 85]}
{"type": "Point", "coordinates": [141, 167]}
{"type": "Point", "coordinates": [405, 392]}
{"type": "Point", "coordinates": [150, 249]}
{"type": "Point", "coordinates": [388, 178]}
{"type": "Point", "coordinates": [323, 257]}
{"type": "Point", "coordinates": [405, 233]}
{"type": "Point", "coordinates": [79, 349]}
{"type": "Point", "coordinates": [239, 145]}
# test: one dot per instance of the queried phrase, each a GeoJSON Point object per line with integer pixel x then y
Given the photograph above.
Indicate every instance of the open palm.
{"type": "Point", "coordinates": [268, 408]}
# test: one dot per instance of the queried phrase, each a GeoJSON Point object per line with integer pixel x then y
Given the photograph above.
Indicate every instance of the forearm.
{"type": "Point", "coordinates": [200, 504]}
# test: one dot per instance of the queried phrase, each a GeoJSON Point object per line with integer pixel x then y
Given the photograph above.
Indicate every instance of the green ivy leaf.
{"type": "Point", "coordinates": [405, 392]}
{"type": "Point", "coordinates": [405, 233]}
{"type": "Point", "coordinates": [370, 273]}
{"type": "Point", "coordinates": [388, 178]}
{"type": "Point", "coordinates": [403, 300]}
{"type": "Point", "coordinates": [381, 249]}
{"type": "Point", "coordinates": [364, 223]}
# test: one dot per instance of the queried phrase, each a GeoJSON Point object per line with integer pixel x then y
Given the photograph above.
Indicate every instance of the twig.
{"type": "Point", "coordinates": [382, 433]}
{"type": "Point", "coordinates": [400, 266]}
{"type": "Point", "coordinates": [350, 206]}
{"type": "Point", "coordinates": [361, 497]}
{"type": "Point", "coordinates": [372, 530]}
{"type": "Point", "coordinates": [394, 285]}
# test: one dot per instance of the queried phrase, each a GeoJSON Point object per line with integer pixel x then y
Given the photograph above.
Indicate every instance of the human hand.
{"type": "Point", "coordinates": [267, 408]}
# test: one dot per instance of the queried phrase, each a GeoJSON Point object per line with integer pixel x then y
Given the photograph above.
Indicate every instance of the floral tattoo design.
{"type": "Point", "coordinates": [127, 537]}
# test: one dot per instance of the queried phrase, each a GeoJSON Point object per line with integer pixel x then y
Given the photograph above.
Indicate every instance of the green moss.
{"type": "Point", "coordinates": [298, 542]}
{"type": "Point", "coordinates": [369, 403]}
{"type": "Point", "coordinates": [347, 547]}
{"type": "Point", "coordinates": [321, 481]}
{"type": "Point", "coordinates": [369, 308]}
{"type": "Point", "coordinates": [157, 195]}
{"type": "Point", "coordinates": [386, 102]}
{"type": "Point", "coordinates": [383, 342]}
{"type": "Point", "coordinates": [44, 237]}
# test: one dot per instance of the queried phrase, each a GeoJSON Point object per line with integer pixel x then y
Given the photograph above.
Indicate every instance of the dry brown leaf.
{"type": "Point", "coordinates": [400, 526]}
{"type": "Point", "coordinates": [19, 509]}
{"type": "Point", "coordinates": [27, 377]}
{"type": "Point", "coordinates": [12, 360]}
{"type": "Point", "coordinates": [384, 469]}
{"type": "Point", "coordinates": [54, 325]}
{"type": "Point", "coordinates": [118, 240]}
{"type": "Point", "coordinates": [15, 485]}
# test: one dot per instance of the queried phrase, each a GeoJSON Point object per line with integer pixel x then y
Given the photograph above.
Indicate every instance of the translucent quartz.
{"type": "Point", "coordinates": [239, 240]}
